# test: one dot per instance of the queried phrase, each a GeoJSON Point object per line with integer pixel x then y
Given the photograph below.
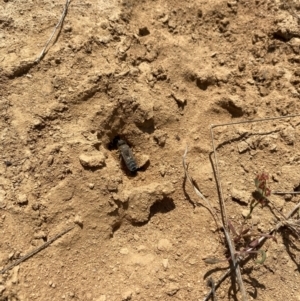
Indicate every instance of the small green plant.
{"type": "Point", "coordinates": [247, 242]}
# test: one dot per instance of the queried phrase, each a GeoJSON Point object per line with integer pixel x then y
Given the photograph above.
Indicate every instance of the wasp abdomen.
{"type": "Point", "coordinates": [127, 155]}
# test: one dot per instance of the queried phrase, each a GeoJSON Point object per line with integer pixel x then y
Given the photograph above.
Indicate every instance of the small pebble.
{"type": "Point", "coordinates": [245, 212]}
{"type": "Point", "coordinates": [164, 245]}
{"type": "Point", "coordinates": [124, 251]}
{"type": "Point", "coordinates": [50, 160]}
{"type": "Point", "coordinates": [172, 289]}
{"type": "Point", "coordinates": [243, 147]}
{"type": "Point", "coordinates": [78, 220]}
{"type": "Point", "coordinates": [165, 263]}
{"type": "Point", "coordinates": [143, 160]}
{"type": "Point", "coordinates": [22, 199]}
{"type": "Point", "coordinates": [91, 185]}
{"type": "Point", "coordinates": [39, 235]}
{"type": "Point", "coordinates": [127, 296]}
{"type": "Point", "coordinates": [92, 161]}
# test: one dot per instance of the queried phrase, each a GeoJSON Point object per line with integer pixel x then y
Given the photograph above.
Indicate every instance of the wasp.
{"type": "Point", "coordinates": [126, 154]}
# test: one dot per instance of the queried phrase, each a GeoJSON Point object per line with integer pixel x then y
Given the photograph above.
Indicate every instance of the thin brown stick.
{"type": "Point", "coordinates": [230, 242]}
{"type": "Point", "coordinates": [37, 250]}
{"type": "Point", "coordinates": [208, 206]}
{"type": "Point", "coordinates": [254, 120]}
{"type": "Point", "coordinates": [44, 51]}
{"type": "Point", "coordinates": [285, 192]}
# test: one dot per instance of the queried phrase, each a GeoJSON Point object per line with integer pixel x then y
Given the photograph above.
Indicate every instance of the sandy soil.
{"type": "Point", "coordinates": [157, 73]}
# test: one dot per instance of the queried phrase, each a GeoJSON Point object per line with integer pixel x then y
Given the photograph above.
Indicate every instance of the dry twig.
{"type": "Point", "coordinates": [35, 251]}
{"type": "Point", "coordinates": [230, 242]}
{"type": "Point", "coordinates": [58, 25]}
{"type": "Point", "coordinates": [208, 206]}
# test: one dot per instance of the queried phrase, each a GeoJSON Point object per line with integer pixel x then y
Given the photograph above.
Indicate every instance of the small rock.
{"type": "Point", "coordinates": [35, 206]}
{"type": "Point", "coordinates": [143, 160]}
{"type": "Point", "coordinates": [91, 185]}
{"type": "Point", "coordinates": [199, 13]}
{"type": "Point", "coordinates": [162, 170]}
{"type": "Point", "coordinates": [273, 147]}
{"type": "Point", "coordinates": [112, 184]}
{"type": "Point", "coordinates": [127, 296]}
{"type": "Point", "coordinates": [240, 195]}
{"type": "Point", "coordinates": [288, 134]}
{"type": "Point", "coordinates": [165, 263]}
{"type": "Point", "coordinates": [242, 66]}
{"type": "Point", "coordinates": [22, 199]}
{"type": "Point", "coordinates": [72, 295]}
{"type": "Point", "coordinates": [92, 161]}
{"type": "Point", "coordinates": [165, 18]}
{"type": "Point", "coordinates": [172, 23]}
{"type": "Point", "coordinates": [124, 251]}
{"type": "Point", "coordinates": [78, 220]}
{"type": "Point", "coordinates": [180, 99]}
{"type": "Point", "coordinates": [245, 212]}
{"type": "Point", "coordinates": [172, 289]}
{"type": "Point", "coordinates": [192, 261]}
{"type": "Point", "coordinates": [164, 245]}
{"type": "Point", "coordinates": [40, 234]}
{"type": "Point", "coordinates": [50, 160]}
{"type": "Point", "coordinates": [160, 137]}
{"type": "Point", "coordinates": [243, 146]}
{"type": "Point", "coordinates": [141, 198]}
{"type": "Point", "coordinates": [15, 275]}
{"type": "Point", "coordinates": [288, 197]}
{"type": "Point", "coordinates": [263, 91]}
{"type": "Point", "coordinates": [2, 289]}
{"type": "Point", "coordinates": [68, 28]}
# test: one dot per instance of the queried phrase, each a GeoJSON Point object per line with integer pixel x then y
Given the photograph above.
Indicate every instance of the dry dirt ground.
{"type": "Point", "coordinates": [157, 73]}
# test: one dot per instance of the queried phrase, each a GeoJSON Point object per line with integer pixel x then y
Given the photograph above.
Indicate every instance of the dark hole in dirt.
{"type": "Point", "coordinates": [229, 106]}
{"type": "Point", "coordinates": [297, 188]}
{"type": "Point", "coordinates": [282, 36]}
{"type": "Point", "coordinates": [97, 145]}
{"type": "Point", "coordinates": [144, 31]}
{"type": "Point", "coordinates": [115, 227]}
{"type": "Point", "coordinates": [271, 48]}
{"type": "Point", "coordinates": [164, 206]}
{"type": "Point", "coordinates": [242, 203]}
{"type": "Point", "coordinates": [92, 168]}
{"type": "Point", "coordinates": [203, 85]}
{"type": "Point", "coordinates": [7, 163]}
{"type": "Point", "coordinates": [147, 126]}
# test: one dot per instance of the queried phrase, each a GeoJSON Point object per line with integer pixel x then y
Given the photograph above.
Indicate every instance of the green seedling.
{"type": "Point", "coordinates": [245, 241]}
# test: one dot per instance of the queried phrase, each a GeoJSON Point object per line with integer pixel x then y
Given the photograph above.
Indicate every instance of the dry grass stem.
{"type": "Point", "coordinates": [58, 25]}
{"type": "Point", "coordinates": [35, 251]}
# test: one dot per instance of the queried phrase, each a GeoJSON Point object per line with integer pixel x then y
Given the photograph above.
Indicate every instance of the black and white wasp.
{"type": "Point", "coordinates": [126, 154]}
